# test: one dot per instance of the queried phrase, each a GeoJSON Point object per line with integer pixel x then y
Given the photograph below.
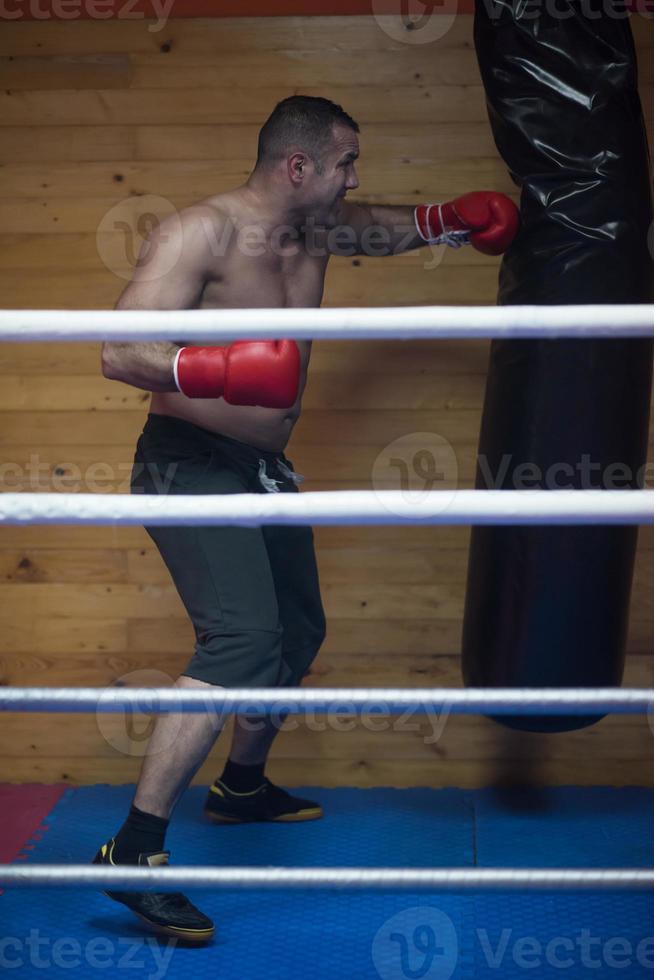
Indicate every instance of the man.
{"type": "Point", "coordinates": [220, 419]}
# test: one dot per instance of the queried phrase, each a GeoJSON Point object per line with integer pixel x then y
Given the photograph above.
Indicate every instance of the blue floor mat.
{"type": "Point", "coordinates": [565, 827]}
{"type": "Point", "coordinates": [381, 936]}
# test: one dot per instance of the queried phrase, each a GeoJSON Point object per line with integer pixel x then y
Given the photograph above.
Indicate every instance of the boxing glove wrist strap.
{"type": "Point", "coordinates": [199, 372]}
{"type": "Point", "coordinates": [175, 363]}
{"type": "Point", "coordinates": [439, 224]}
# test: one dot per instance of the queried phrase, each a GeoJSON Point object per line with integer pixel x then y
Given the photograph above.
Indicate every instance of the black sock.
{"type": "Point", "coordinates": [242, 779]}
{"type": "Point", "coordinates": [142, 833]}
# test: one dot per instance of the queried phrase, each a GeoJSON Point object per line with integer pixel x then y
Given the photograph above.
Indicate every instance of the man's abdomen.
{"type": "Point", "coordinates": [264, 428]}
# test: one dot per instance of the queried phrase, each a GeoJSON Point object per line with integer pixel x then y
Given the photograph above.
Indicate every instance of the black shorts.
{"type": "Point", "coordinates": [252, 593]}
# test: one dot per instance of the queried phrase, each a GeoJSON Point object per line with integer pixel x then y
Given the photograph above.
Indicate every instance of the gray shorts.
{"type": "Point", "coordinates": [252, 593]}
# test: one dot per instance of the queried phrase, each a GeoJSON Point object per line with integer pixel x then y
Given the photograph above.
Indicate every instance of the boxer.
{"type": "Point", "coordinates": [219, 421]}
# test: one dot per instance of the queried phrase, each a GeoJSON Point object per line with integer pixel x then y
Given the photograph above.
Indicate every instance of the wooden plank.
{"type": "Point", "coordinates": [50, 359]}
{"type": "Point", "coordinates": [325, 466]}
{"type": "Point", "coordinates": [221, 103]}
{"type": "Point", "coordinates": [72, 427]}
{"type": "Point", "coordinates": [148, 9]}
{"type": "Point", "coordinates": [392, 537]}
{"type": "Point", "coordinates": [440, 600]}
{"type": "Point", "coordinates": [48, 637]}
{"type": "Point", "coordinates": [419, 670]}
{"type": "Point", "coordinates": [83, 71]}
{"type": "Point", "coordinates": [24, 251]}
{"type": "Point", "coordinates": [56, 290]}
{"type": "Point", "coordinates": [191, 40]}
{"type": "Point", "coordinates": [437, 601]}
{"type": "Point", "coordinates": [368, 670]}
{"type": "Point", "coordinates": [79, 393]}
{"type": "Point", "coordinates": [77, 537]}
{"type": "Point", "coordinates": [372, 566]}
{"type": "Point", "coordinates": [44, 216]}
{"type": "Point", "coordinates": [90, 601]}
{"type": "Point", "coordinates": [355, 392]}
{"type": "Point", "coordinates": [38, 468]}
{"type": "Point", "coordinates": [120, 770]}
{"type": "Point", "coordinates": [390, 638]}
{"type": "Point", "coordinates": [316, 428]}
{"type": "Point", "coordinates": [27, 465]}
{"type": "Point", "coordinates": [361, 428]}
{"type": "Point", "coordinates": [328, 67]}
{"type": "Point", "coordinates": [223, 142]}
{"type": "Point", "coordinates": [230, 141]}
{"type": "Point", "coordinates": [57, 565]}
{"type": "Point", "coordinates": [53, 289]}
{"type": "Point", "coordinates": [427, 105]}
{"type": "Point", "coordinates": [98, 670]}
{"type": "Point", "coordinates": [356, 285]}
{"type": "Point", "coordinates": [367, 565]}
{"type": "Point", "coordinates": [342, 566]}
{"type": "Point", "coordinates": [187, 39]}
{"type": "Point", "coordinates": [195, 179]}
{"type": "Point", "coordinates": [342, 735]}
{"type": "Point", "coordinates": [82, 143]}
{"type": "Point", "coordinates": [358, 358]}
{"type": "Point", "coordinates": [641, 25]}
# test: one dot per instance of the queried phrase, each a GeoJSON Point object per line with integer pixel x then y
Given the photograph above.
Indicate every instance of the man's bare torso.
{"type": "Point", "coordinates": [251, 270]}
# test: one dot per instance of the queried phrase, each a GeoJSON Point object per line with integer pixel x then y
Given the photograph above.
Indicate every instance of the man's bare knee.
{"type": "Point", "coordinates": [216, 714]}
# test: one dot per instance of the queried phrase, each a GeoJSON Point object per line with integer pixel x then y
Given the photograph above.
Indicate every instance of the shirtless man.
{"type": "Point", "coordinates": [219, 421]}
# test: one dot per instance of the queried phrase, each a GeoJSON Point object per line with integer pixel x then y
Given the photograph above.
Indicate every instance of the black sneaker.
{"type": "Point", "coordinates": [169, 913]}
{"type": "Point", "coordinates": [268, 802]}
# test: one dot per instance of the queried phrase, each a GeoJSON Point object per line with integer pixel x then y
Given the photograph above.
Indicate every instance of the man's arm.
{"type": "Point", "coordinates": [170, 275]}
{"type": "Point", "coordinates": [375, 229]}
{"type": "Point", "coordinates": [486, 219]}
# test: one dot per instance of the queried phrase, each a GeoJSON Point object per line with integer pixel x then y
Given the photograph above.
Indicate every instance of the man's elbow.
{"type": "Point", "coordinates": [110, 362]}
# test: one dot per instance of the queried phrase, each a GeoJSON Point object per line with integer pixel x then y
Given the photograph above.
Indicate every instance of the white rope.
{"type": "Point", "coordinates": [472, 507]}
{"type": "Point", "coordinates": [526, 701]}
{"type": "Point", "coordinates": [404, 323]}
{"type": "Point", "coordinates": [145, 879]}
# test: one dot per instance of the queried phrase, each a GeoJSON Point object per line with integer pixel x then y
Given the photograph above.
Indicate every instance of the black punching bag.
{"type": "Point", "coordinates": [548, 606]}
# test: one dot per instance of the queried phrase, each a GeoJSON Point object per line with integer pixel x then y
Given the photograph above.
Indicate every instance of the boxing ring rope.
{"type": "Point", "coordinates": [339, 507]}
{"type": "Point", "coordinates": [413, 879]}
{"type": "Point", "coordinates": [391, 323]}
{"type": "Point", "coordinates": [500, 701]}
{"type": "Point", "coordinates": [552, 507]}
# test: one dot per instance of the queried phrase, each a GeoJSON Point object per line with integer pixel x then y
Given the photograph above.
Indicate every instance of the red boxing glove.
{"type": "Point", "coordinates": [487, 219]}
{"type": "Point", "coordinates": [260, 372]}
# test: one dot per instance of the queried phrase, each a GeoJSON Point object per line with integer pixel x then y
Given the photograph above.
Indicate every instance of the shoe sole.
{"type": "Point", "coordinates": [301, 817]}
{"type": "Point", "coordinates": [198, 936]}
{"type": "Point", "coordinates": [187, 937]}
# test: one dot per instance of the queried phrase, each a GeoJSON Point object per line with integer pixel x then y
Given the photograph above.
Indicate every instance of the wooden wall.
{"type": "Point", "coordinates": [98, 113]}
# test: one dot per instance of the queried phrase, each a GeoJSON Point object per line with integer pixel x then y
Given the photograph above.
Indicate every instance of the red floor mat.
{"type": "Point", "coordinates": [23, 809]}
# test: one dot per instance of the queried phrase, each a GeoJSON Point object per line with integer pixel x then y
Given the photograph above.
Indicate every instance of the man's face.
{"type": "Point", "coordinates": [326, 191]}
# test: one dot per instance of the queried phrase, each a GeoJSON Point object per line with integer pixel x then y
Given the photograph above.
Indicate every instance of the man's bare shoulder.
{"type": "Point", "coordinates": [202, 216]}
{"type": "Point", "coordinates": [217, 209]}
{"type": "Point", "coordinates": [191, 232]}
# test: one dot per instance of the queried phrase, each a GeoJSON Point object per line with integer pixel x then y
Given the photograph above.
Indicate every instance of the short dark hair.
{"type": "Point", "coordinates": [303, 122]}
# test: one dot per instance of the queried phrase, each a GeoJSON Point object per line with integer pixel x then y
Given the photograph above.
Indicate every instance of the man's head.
{"type": "Point", "coordinates": [313, 144]}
